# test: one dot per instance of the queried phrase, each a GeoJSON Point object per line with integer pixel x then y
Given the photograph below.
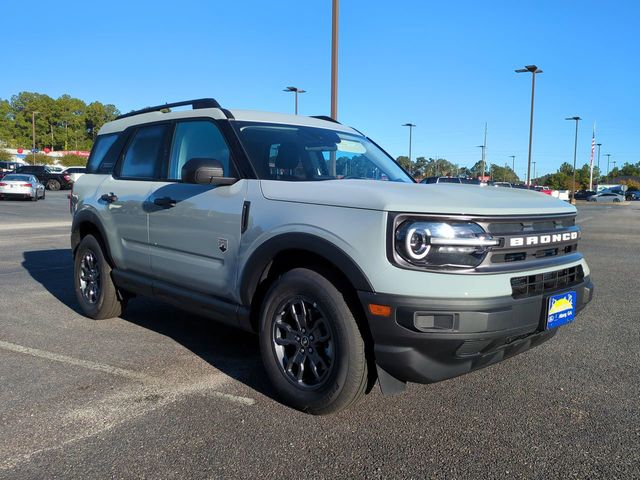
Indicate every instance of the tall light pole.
{"type": "Point", "coordinates": [513, 163]}
{"type": "Point", "coordinates": [534, 171]}
{"type": "Point", "coordinates": [335, 13]}
{"type": "Point", "coordinates": [534, 71]}
{"type": "Point", "coordinates": [295, 90]}
{"type": "Point", "coordinates": [483, 147]}
{"type": "Point", "coordinates": [33, 135]}
{"type": "Point", "coordinates": [599, 145]}
{"type": "Point", "coordinates": [575, 151]}
{"type": "Point", "coordinates": [411, 127]}
{"type": "Point", "coordinates": [608, 155]}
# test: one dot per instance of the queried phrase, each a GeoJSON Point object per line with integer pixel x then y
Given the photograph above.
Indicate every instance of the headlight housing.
{"type": "Point", "coordinates": [435, 244]}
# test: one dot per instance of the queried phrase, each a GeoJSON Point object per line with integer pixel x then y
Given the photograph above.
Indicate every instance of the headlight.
{"type": "Point", "coordinates": [439, 245]}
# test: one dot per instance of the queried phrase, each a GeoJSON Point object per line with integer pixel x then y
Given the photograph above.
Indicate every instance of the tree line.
{"type": "Point", "coordinates": [560, 180]}
{"type": "Point", "coordinates": [436, 167]}
{"type": "Point", "coordinates": [63, 123]}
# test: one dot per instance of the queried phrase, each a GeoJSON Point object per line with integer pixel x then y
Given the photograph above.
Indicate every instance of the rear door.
{"type": "Point", "coordinates": [122, 197]}
{"type": "Point", "coordinates": [194, 230]}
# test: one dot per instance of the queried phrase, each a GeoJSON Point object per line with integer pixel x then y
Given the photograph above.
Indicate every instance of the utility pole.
{"type": "Point", "coordinates": [608, 155]}
{"type": "Point", "coordinates": [599, 145]}
{"type": "Point", "coordinates": [575, 152]}
{"type": "Point", "coordinates": [334, 58]}
{"type": "Point", "coordinates": [513, 163]}
{"type": "Point", "coordinates": [534, 71]}
{"type": "Point", "coordinates": [33, 135]}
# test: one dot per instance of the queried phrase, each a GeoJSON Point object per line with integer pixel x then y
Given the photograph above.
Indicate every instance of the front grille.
{"type": "Point", "coordinates": [542, 283]}
{"type": "Point", "coordinates": [530, 239]}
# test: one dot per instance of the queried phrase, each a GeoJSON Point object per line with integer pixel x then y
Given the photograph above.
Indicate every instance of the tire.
{"type": "Point", "coordinates": [53, 184]}
{"type": "Point", "coordinates": [334, 366]}
{"type": "Point", "coordinates": [101, 301]}
{"type": "Point", "coordinates": [616, 200]}
{"type": "Point", "coordinates": [35, 197]}
{"type": "Point", "coordinates": [44, 193]}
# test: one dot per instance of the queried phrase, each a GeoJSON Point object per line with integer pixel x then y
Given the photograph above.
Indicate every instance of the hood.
{"type": "Point", "coordinates": [441, 198]}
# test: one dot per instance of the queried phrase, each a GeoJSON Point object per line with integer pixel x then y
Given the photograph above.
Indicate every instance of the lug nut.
{"type": "Point", "coordinates": [310, 350]}
{"type": "Point", "coordinates": [311, 337]}
{"type": "Point", "coordinates": [297, 338]}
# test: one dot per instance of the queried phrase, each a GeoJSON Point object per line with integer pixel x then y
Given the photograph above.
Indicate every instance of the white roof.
{"type": "Point", "coordinates": [216, 113]}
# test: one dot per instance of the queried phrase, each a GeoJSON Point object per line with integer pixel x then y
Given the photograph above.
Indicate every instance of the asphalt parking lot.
{"type": "Point", "coordinates": [162, 394]}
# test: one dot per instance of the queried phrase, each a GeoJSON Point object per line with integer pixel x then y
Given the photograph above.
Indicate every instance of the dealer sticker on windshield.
{"type": "Point", "coordinates": [562, 309]}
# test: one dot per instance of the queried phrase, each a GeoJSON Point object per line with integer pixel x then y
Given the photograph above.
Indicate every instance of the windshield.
{"type": "Point", "coordinates": [299, 153]}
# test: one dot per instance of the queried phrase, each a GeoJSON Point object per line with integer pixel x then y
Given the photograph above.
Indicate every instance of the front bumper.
{"type": "Point", "coordinates": [426, 340]}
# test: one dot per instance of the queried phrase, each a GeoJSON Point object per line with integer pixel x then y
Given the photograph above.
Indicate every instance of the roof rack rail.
{"type": "Point", "coordinates": [325, 117]}
{"type": "Point", "coordinates": [196, 104]}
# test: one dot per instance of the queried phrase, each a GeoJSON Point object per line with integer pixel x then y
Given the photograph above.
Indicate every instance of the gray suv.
{"type": "Point", "coordinates": [306, 232]}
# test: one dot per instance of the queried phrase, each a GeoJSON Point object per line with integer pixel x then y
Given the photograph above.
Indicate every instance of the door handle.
{"type": "Point", "coordinates": [164, 202]}
{"type": "Point", "coordinates": [109, 197]}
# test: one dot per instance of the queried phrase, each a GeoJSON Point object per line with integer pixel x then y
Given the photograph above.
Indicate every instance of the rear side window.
{"type": "Point", "coordinates": [100, 148]}
{"type": "Point", "coordinates": [143, 157]}
{"type": "Point", "coordinates": [197, 139]}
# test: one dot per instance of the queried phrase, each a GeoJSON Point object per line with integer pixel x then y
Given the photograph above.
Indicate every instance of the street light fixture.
{"type": "Point", "coordinates": [411, 127]}
{"type": "Point", "coordinates": [295, 90]}
{"type": "Point", "coordinates": [575, 151]}
{"type": "Point", "coordinates": [534, 71]}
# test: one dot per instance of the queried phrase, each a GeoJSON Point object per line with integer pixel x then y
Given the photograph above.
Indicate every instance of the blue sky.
{"type": "Point", "coordinates": [446, 66]}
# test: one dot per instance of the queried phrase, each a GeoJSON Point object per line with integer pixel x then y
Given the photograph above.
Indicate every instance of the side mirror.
{"type": "Point", "coordinates": [205, 171]}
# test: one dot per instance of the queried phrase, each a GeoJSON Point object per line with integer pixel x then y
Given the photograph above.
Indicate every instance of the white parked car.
{"type": "Point", "coordinates": [606, 197]}
{"type": "Point", "coordinates": [75, 172]}
{"type": "Point", "coordinates": [17, 185]}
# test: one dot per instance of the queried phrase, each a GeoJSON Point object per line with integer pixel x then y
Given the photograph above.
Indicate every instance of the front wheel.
{"type": "Point", "coordinates": [96, 293]}
{"type": "Point", "coordinates": [310, 343]}
{"type": "Point", "coordinates": [53, 185]}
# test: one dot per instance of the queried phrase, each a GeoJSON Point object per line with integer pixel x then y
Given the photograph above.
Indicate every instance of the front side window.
{"type": "Point", "coordinates": [197, 139]}
{"type": "Point", "coordinates": [301, 153]}
{"type": "Point", "coordinates": [144, 154]}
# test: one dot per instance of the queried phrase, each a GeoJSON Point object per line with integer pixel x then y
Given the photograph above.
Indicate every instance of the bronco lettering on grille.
{"type": "Point", "coordinates": [543, 239]}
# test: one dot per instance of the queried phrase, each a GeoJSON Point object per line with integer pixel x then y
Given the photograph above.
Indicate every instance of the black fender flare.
{"type": "Point", "coordinates": [83, 217]}
{"type": "Point", "coordinates": [266, 252]}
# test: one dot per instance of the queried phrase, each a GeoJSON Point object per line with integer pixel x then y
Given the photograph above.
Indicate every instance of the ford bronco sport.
{"type": "Point", "coordinates": [306, 232]}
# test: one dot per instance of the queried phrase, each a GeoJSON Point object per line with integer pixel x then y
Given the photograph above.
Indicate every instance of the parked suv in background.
{"type": "Point", "coordinates": [75, 172]}
{"type": "Point", "coordinates": [306, 232]}
{"type": "Point", "coordinates": [441, 180]}
{"type": "Point", "coordinates": [53, 181]}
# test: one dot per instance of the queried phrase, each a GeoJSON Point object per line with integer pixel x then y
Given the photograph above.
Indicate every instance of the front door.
{"type": "Point", "coordinates": [194, 230]}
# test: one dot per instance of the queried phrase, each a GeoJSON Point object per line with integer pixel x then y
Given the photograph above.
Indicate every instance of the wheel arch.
{"type": "Point", "coordinates": [87, 222]}
{"type": "Point", "coordinates": [272, 251]}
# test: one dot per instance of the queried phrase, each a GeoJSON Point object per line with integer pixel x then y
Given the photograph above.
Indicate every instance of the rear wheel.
{"type": "Point", "coordinates": [35, 197]}
{"type": "Point", "coordinates": [95, 291]}
{"type": "Point", "coordinates": [53, 184]}
{"type": "Point", "coordinates": [310, 343]}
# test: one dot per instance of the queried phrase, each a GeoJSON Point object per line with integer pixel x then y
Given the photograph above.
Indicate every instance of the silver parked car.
{"type": "Point", "coordinates": [16, 185]}
{"type": "Point", "coordinates": [606, 197]}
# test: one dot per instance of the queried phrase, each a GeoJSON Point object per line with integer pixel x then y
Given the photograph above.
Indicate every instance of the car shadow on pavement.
{"type": "Point", "coordinates": [232, 351]}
